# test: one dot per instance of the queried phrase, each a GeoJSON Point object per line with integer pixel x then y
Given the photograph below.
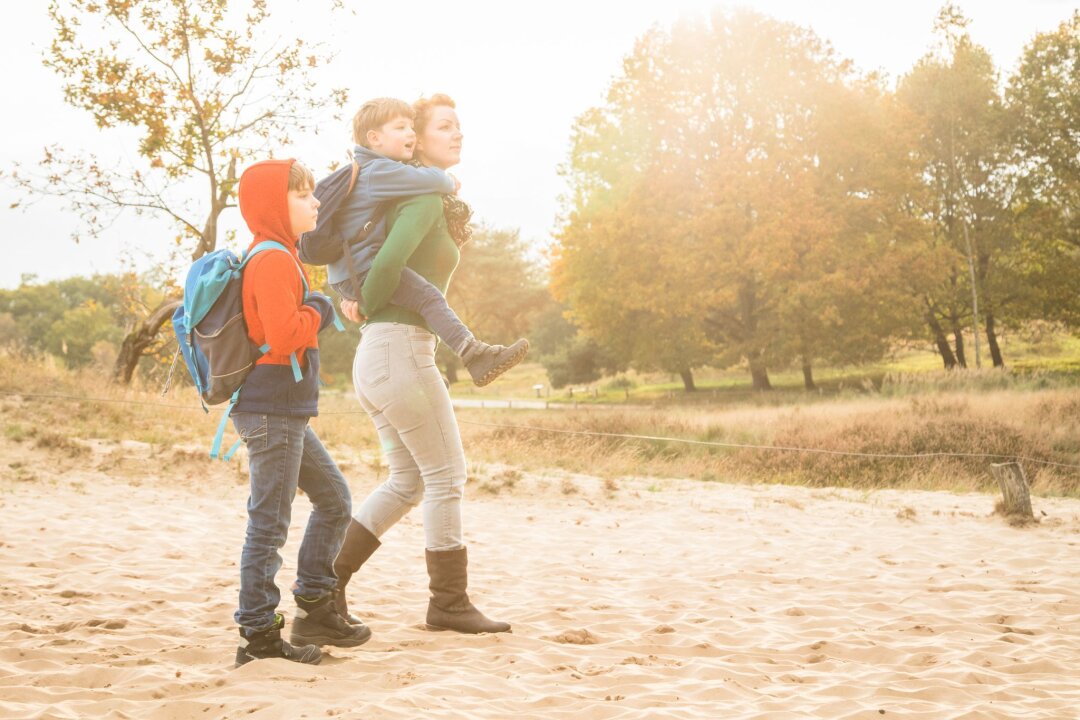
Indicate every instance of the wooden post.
{"type": "Point", "coordinates": [1014, 489]}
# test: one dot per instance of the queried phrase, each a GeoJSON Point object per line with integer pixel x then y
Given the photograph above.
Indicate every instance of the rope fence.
{"type": "Point", "coordinates": [623, 436]}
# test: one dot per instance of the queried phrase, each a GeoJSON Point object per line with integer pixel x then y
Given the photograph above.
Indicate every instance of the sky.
{"type": "Point", "coordinates": [520, 72]}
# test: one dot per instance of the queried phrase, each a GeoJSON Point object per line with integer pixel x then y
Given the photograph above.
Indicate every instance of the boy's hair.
{"type": "Point", "coordinates": [373, 114]}
{"type": "Point", "coordinates": [425, 106]}
{"type": "Point", "coordinates": [300, 178]}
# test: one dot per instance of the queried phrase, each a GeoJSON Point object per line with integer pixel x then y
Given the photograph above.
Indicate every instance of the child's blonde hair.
{"type": "Point", "coordinates": [425, 106]}
{"type": "Point", "coordinates": [373, 114]}
{"type": "Point", "coordinates": [300, 178]}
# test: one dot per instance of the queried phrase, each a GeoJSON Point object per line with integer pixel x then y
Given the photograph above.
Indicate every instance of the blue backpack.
{"type": "Point", "coordinates": [213, 336]}
{"type": "Point", "coordinates": [324, 245]}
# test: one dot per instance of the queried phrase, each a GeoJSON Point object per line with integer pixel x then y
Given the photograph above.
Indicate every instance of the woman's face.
{"type": "Point", "coordinates": [440, 143]}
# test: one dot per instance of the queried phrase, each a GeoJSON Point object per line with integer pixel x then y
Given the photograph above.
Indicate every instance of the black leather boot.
{"type": "Point", "coordinates": [262, 644]}
{"type": "Point", "coordinates": [449, 607]}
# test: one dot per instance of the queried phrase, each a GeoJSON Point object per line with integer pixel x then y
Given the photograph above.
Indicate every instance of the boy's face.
{"type": "Point", "coordinates": [303, 210]}
{"type": "Point", "coordinates": [395, 139]}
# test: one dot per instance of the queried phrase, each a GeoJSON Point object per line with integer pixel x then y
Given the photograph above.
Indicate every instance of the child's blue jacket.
{"type": "Point", "coordinates": [380, 179]}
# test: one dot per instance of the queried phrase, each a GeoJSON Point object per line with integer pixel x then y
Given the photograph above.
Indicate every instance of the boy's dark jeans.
{"type": "Point", "coordinates": [284, 453]}
{"type": "Point", "coordinates": [415, 293]}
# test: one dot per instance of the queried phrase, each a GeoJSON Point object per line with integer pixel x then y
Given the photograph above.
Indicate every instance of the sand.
{"type": "Point", "coordinates": [652, 599]}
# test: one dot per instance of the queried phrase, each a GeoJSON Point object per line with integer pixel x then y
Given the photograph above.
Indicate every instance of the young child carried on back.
{"type": "Point", "coordinates": [385, 140]}
{"type": "Point", "coordinates": [271, 415]}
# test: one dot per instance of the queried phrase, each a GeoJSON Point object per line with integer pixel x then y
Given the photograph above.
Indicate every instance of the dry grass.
{"type": "Point", "coordinates": [500, 482]}
{"type": "Point", "coordinates": [50, 402]}
{"type": "Point", "coordinates": [1043, 424]}
{"type": "Point", "coordinates": [1040, 425]}
{"type": "Point", "coordinates": [1015, 519]}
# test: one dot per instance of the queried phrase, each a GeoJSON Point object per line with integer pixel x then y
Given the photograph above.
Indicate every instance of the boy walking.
{"type": "Point", "coordinates": [385, 140]}
{"type": "Point", "coordinates": [271, 415]}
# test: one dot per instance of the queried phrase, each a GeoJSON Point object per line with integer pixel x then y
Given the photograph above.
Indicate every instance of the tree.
{"type": "Point", "coordinates": [568, 356]}
{"type": "Point", "coordinates": [582, 360]}
{"type": "Point", "coordinates": [624, 276]}
{"type": "Point", "coordinates": [497, 289]}
{"type": "Point", "coordinates": [718, 211]}
{"type": "Point", "coordinates": [205, 91]}
{"type": "Point", "coordinates": [862, 267]}
{"type": "Point", "coordinates": [1044, 101]}
{"type": "Point", "coordinates": [550, 331]}
{"type": "Point", "coordinates": [1044, 96]}
{"type": "Point", "coordinates": [963, 148]}
{"type": "Point", "coordinates": [66, 318]}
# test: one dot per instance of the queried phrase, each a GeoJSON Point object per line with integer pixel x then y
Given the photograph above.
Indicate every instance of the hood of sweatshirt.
{"type": "Point", "coordinates": [264, 201]}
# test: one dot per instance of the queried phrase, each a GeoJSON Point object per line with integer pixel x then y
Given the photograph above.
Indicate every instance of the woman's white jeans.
{"type": "Point", "coordinates": [400, 387]}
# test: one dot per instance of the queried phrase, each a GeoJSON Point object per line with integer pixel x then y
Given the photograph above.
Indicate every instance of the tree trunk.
{"type": "Point", "coordinates": [687, 380]}
{"type": "Point", "coordinates": [940, 340]}
{"type": "Point", "coordinates": [958, 338]}
{"type": "Point", "coordinates": [450, 368]}
{"type": "Point", "coordinates": [808, 375]}
{"type": "Point", "coordinates": [759, 374]}
{"type": "Point", "coordinates": [141, 338]}
{"type": "Point", "coordinates": [991, 339]}
{"type": "Point", "coordinates": [218, 203]}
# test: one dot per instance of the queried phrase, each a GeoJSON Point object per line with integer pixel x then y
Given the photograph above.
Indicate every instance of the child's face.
{"type": "Point", "coordinates": [303, 210]}
{"type": "Point", "coordinates": [440, 145]}
{"type": "Point", "coordinates": [395, 139]}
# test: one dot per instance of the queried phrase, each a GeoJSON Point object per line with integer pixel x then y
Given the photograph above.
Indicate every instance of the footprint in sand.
{"type": "Point", "coordinates": [575, 637]}
{"type": "Point", "coordinates": [74, 594]}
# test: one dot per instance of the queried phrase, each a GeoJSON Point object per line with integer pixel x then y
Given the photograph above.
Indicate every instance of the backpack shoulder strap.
{"type": "Point", "coordinates": [264, 245]}
{"type": "Point", "coordinates": [352, 178]}
{"type": "Point", "coordinates": [275, 245]}
{"type": "Point", "coordinates": [346, 243]}
{"type": "Point", "coordinates": [380, 211]}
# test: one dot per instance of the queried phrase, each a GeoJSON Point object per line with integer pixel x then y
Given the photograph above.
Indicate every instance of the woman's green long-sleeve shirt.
{"type": "Point", "coordinates": [418, 239]}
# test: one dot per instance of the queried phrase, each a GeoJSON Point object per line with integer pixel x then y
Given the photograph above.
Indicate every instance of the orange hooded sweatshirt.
{"type": "Point", "coordinates": [273, 300]}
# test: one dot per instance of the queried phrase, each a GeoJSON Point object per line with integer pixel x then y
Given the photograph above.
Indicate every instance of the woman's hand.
{"type": "Point", "coordinates": [351, 310]}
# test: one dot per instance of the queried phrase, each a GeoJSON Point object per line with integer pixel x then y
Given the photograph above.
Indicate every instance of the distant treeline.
{"type": "Point", "coordinates": [743, 195]}
{"type": "Point", "coordinates": [500, 289]}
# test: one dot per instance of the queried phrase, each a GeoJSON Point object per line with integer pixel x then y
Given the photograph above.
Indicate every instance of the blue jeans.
{"type": "Point", "coordinates": [417, 294]}
{"type": "Point", "coordinates": [283, 454]}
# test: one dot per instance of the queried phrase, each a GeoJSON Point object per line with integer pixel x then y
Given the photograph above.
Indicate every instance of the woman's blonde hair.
{"type": "Point", "coordinates": [424, 107]}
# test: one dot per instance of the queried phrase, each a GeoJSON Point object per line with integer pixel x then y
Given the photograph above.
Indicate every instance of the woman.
{"type": "Point", "coordinates": [400, 387]}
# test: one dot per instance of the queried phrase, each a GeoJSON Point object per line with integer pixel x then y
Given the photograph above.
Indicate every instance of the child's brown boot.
{"type": "Point", "coordinates": [487, 362]}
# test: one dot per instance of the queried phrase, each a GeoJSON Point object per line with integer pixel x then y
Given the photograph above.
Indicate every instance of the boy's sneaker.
{"type": "Point", "coordinates": [318, 623]}
{"type": "Point", "coordinates": [262, 644]}
{"type": "Point", "coordinates": [487, 362]}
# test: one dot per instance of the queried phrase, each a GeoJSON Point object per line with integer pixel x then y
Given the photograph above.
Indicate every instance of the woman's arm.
{"type": "Point", "coordinates": [415, 217]}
